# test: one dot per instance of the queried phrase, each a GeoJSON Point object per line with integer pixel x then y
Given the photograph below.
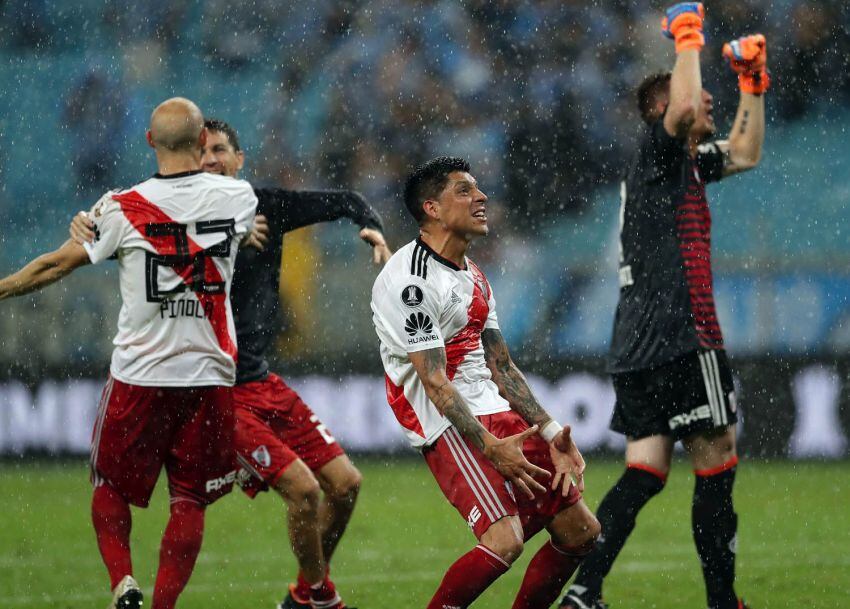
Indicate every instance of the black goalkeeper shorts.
{"type": "Point", "coordinates": [691, 394]}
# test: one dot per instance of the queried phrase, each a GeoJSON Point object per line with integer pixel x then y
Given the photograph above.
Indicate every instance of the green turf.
{"type": "Point", "coordinates": [794, 542]}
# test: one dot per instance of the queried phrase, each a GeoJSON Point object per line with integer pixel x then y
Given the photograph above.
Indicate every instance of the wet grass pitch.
{"type": "Point", "coordinates": [793, 550]}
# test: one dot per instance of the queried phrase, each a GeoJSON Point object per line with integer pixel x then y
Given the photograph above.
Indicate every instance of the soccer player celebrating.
{"type": "Point", "coordinates": [670, 371]}
{"type": "Point", "coordinates": [461, 400]}
{"type": "Point", "coordinates": [168, 401]}
{"type": "Point", "coordinates": [280, 443]}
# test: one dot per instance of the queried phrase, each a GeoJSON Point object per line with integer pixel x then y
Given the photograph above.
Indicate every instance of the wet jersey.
{"type": "Point", "coordinates": [255, 293]}
{"type": "Point", "coordinates": [422, 301]}
{"type": "Point", "coordinates": [175, 238]}
{"type": "Point", "coordinates": [666, 305]}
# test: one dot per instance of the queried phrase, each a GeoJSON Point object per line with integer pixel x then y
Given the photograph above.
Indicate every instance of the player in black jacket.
{"type": "Point", "coordinates": [670, 372]}
{"type": "Point", "coordinates": [280, 443]}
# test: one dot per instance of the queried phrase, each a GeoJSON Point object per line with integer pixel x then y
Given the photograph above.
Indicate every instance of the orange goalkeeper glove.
{"type": "Point", "coordinates": [748, 57]}
{"type": "Point", "coordinates": [683, 23]}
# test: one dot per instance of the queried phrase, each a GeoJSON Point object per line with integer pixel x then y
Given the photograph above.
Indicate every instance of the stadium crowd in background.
{"type": "Point", "coordinates": [366, 87]}
{"type": "Point", "coordinates": [352, 94]}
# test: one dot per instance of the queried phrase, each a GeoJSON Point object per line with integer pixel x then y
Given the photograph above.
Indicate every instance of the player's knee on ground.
{"type": "Point", "coordinates": [504, 537]}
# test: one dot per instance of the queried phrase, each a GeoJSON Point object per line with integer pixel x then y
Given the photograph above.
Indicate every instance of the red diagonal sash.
{"type": "Point", "coordinates": [140, 212]}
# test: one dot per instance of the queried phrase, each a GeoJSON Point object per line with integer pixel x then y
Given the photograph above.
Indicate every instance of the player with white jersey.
{"type": "Point", "coordinates": [439, 305]}
{"type": "Point", "coordinates": [461, 400]}
{"type": "Point", "coordinates": [173, 237]}
{"type": "Point", "coordinates": [168, 401]}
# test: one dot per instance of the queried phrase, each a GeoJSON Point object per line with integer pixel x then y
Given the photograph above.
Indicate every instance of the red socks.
{"type": "Point", "coordinates": [321, 596]}
{"type": "Point", "coordinates": [181, 543]}
{"type": "Point", "coordinates": [547, 573]}
{"type": "Point", "coordinates": [301, 592]}
{"type": "Point", "coordinates": [110, 515]}
{"type": "Point", "coordinates": [467, 578]}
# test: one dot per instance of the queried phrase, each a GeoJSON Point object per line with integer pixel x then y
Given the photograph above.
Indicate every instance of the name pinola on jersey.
{"type": "Point", "coordinates": [416, 323]}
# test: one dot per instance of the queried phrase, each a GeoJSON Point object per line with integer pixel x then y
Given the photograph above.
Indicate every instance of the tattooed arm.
{"type": "Point", "coordinates": [514, 388]}
{"type": "Point", "coordinates": [742, 151]}
{"type": "Point", "coordinates": [505, 453]}
{"type": "Point", "coordinates": [430, 365]}
{"type": "Point", "coordinates": [510, 381]}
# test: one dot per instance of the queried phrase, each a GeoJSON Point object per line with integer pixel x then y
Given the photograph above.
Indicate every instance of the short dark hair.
{"type": "Point", "coordinates": [214, 124]}
{"type": "Point", "coordinates": [652, 87]}
{"type": "Point", "coordinates": [428, 181]}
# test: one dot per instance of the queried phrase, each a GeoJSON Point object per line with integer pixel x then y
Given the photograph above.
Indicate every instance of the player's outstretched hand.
{"type": "Point", "coordinates": [259, 235]}
{"type": "Point", "coordinates": [508, 458]}
{"type": "Point", "coordinates": [569, 464]}
{"type": "Point", "coordinates": [748, 57]}
{"type": "Point", "coordinates": [380, 250]}
{"type": "Point", "coordinates": [82, 228]}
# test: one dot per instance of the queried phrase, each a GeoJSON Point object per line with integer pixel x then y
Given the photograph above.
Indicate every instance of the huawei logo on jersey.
{"type": "Point", "coordinates": [418, 322]}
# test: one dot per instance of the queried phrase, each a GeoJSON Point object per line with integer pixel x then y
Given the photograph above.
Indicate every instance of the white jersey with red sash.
{"type": "Point", "coordinates": [176, 240]}
{"type": "Point", "coordinates": [422, 301]}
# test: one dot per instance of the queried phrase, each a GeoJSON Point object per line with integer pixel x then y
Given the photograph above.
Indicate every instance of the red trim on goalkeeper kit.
{"type": "Point", "coordinates": [713, 471]}
{"type": "Point", "coordinates": [648, 469]}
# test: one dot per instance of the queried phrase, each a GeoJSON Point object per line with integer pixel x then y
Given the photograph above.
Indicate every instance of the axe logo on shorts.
{"type": "Point", "coordinates": [219, 483]}
{"type": "Point", "coordinates": [261, 456]}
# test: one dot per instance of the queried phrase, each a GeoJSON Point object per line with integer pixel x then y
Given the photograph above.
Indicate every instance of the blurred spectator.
{"type": "Point", "coordinates": [26, 23]}
{"type": "Point", "coordinates": [96, 112]}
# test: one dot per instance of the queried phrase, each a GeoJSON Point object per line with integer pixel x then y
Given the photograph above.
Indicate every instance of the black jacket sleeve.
{"type": "Point", "coordinates": [291, 209]}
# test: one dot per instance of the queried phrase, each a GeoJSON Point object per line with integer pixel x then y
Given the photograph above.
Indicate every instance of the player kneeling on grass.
{"type": "Point", "coordinates": [670, 372]}
{"type": "Point", "coordinates": [280, 443]}
{"type": "Point", "coordinates": [461, 400]}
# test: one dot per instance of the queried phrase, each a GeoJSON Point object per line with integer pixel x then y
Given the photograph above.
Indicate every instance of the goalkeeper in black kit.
{"type": "Point", "coordinates": [670, 371]}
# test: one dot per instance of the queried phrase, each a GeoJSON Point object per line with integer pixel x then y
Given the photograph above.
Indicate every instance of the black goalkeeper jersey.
{"type": "Point", "coordinates": [666, 305]}
{"type": "Point", "coordinates": [254, 293]}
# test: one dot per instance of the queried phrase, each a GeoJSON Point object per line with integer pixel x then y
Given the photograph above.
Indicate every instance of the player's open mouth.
{"type": "Point", "coordinates": [481, 214]}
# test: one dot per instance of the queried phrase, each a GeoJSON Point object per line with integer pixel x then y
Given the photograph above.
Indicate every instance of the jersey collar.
{"type": "Point", "coordinates": [438, 258]}
{"type": "Point", "coordinates": [173, 176]}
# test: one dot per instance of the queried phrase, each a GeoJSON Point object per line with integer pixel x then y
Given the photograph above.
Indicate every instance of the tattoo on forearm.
{"type": "Point", "coordinates": [744, 120]}
{"type": "Point", "coordinates": [455, 410]}
{"type": "Point", "coordinates": [511, 382]}
{"type": "Point", "coordinates": [449, 402]}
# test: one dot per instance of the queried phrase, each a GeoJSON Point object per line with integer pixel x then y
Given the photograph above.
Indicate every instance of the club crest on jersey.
{"type": "Point", "coordinates": [261, 455]}
{"type": "Point", "coordinates": [412, 296]}
{"type": "Point", "coordinates": [419, 327]}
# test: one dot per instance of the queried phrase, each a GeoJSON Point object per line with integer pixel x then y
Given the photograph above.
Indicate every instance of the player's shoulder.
{"type": "Point", "coordinates": [407, 266]}
{"type": "Point", "coordinates": [228, 183]}
{"type": "Point", "coordinates": [713, 147]}
{"type": "Point", "coordinates": [396, 265]}
{"type": "Point", "coordinates": [110, 201]}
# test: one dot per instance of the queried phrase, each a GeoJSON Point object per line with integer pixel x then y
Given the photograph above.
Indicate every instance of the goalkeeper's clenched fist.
{"type": "Point", "coordinates": [748, 57]}
{"type": "Point", "coordinates": [683, 23]}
